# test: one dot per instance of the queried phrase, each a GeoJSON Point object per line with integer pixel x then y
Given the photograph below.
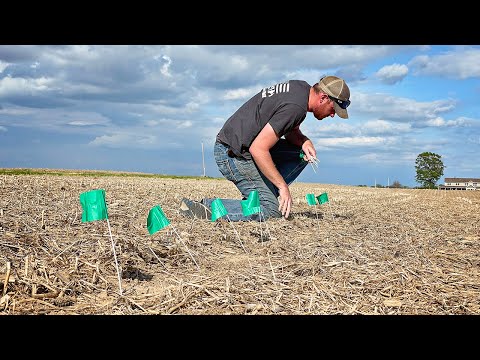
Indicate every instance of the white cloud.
{"type": "Point", "coordinates": [184, 124]}
{"type": "Point", "coordinates": [385, 127]}
{"type": "Point", "coordinates": [3, 66]}
{"type": "Point", "coordinates": [440, 122]}
{"type": "Point", "coordinates": [16, 111]}
{"type": "Point", "coordinates": [165, 70]}
{"type": "Point", "coordinates": [386, 158]}
{"type": "Point", "coordinates": [347, 142]}
{"type": "Point", "coordinates": [401, 109]}
{"type": "Point", "coordinates": [241, 94]}
{"type": "Point", "coordinates": [125, 140]}
{"type": "Point", "coordinates": [474, 139]}
{"type": "Point", "coordinates": [59, 120]}
{"type": "Point", "coordinates": [461, 64]}
{"type": "Point", "coordinates": [63, 56]}
{"type": "Point", "coordinates": [82, 123]}
{"type": "Point", "coordinates": [21, 86]}
{"type": "Point", "coordinates": [391, 74]}
{"type": "Point", "coordinates": [218, 120]}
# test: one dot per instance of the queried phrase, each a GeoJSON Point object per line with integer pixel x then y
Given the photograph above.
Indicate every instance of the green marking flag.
{"type": "Point", "coordinates": [156, 220]}
{"type": "Point", "coordinates": [94, 205]}
{"type": "Point", "coordinates": [322, 198]}
{"type": "Point", "coordinates": [310, 199]}
{"type": "Point", "coordinates": [252, 204]}
{"type": "Point", "coordinates": [218, 209]}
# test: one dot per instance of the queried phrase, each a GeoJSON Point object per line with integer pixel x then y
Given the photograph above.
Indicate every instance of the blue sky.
{"type": "Point", "coordinates": [150, 108]}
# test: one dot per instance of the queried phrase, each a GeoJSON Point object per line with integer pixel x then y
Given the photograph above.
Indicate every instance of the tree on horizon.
{"type": "Point", "coordinates": [429, 167]}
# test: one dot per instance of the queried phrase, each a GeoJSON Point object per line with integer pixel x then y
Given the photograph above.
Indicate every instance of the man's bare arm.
{"type": "Point", "coordinates": [260, 150]}
{"type": "Point", "coordinates": [296, 137]}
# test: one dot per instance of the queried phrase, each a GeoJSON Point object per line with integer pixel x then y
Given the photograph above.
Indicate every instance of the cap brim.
{"type": "Point", "coordinates": [339, 111]}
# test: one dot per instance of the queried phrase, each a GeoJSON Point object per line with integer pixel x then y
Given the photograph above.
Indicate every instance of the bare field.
{"type": "Point", "coordinates": [367, 251]}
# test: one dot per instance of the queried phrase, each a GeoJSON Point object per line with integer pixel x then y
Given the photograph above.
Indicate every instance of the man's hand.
{"type": "Point", "coordinates": [285, 200]}
{"type": "Point", "coordinates": [309, 150]}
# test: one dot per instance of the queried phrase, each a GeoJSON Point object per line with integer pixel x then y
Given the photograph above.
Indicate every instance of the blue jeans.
{"type": "Point", "coordinates": [247, 177]}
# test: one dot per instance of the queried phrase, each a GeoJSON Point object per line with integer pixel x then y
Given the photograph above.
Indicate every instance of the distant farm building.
{"type": "Point", "coordinates": [460, 184]}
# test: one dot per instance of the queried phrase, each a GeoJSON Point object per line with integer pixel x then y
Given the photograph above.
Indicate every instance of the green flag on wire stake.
{"type": "Point", "coordinates": [156, 220]}
{"type": "Point", "coordinates": [218, 209]}
{"type": "Point", "coordinates": [311, 199]}
{"type": "Point", "coordinates": [95, 208]}
{"type": "Point", "coordinates": [322, 198]}
{"type": "Point", "coordinates": [94, 205]}
{"type": "Point", "coordinates": [252, 204]}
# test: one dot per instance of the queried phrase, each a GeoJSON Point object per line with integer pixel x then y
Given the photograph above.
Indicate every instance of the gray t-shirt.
{"type": "Point", "coordinates": [283, 105]}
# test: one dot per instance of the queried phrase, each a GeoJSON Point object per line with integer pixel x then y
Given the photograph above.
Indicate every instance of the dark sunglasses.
{"type": "Point", "coordinates": [342, 103]}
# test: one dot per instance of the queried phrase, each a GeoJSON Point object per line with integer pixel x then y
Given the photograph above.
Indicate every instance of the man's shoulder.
{"type": "Point", "coordinates": [299, 87]}
{"type": "Point", "coordinates": [302, 83]}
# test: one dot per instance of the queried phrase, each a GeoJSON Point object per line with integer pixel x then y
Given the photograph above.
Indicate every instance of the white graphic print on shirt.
{"type": "Point", "coordinates": [275, 89]}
